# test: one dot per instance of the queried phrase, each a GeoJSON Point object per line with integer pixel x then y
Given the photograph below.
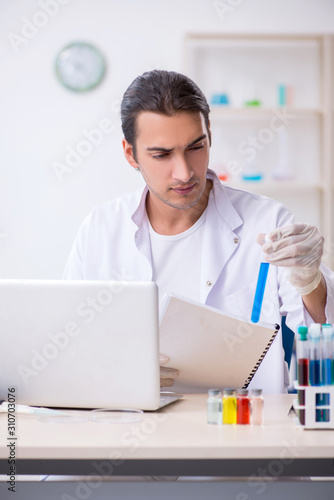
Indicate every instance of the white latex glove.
{"type": "Point", "coordinates": [300, 247]}
{"type": "Point", "coordinates": [167, 375]}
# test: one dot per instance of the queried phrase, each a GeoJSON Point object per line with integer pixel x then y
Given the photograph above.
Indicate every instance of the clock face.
{"type": "Point", "coordinates": [80, 66]}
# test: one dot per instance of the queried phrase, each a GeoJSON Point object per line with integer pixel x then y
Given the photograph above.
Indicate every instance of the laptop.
{"type": "Point", "coordinates": [81, 344]}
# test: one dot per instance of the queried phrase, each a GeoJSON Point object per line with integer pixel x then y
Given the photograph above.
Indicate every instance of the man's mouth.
{"type": "Point", "coordinates": [184, 189]}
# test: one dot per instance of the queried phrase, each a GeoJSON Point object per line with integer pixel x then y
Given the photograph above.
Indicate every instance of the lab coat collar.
{"type": "Point", "coordinates": [224, 206]}
{"type": "Point", "coordinates": [142, 235]}
{"type": "Point", "coordinates": [220, 239]}
{"type": "Point", "coordinates": [139, 215]}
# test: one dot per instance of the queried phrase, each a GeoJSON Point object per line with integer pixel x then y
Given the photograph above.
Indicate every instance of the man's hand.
{"type": "Point", "coordinates": [300, 247]}
{"type": "Point", "coordinates": [167, 375]}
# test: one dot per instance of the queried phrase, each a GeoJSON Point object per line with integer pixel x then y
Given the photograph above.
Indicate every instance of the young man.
{"type": "Point", "coordinates": [194, 236]}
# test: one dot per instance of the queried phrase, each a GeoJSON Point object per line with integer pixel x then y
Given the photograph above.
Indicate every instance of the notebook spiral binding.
{"type": "Point", "coordinates": [252, 373]}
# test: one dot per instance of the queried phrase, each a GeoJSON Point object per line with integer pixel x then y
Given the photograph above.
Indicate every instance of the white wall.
{"type": "Point", "coordinates": [39, 215]}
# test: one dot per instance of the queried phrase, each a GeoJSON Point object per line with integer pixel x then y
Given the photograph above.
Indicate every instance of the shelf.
{"type": "Point", "coordinates": [230, 41]}
{"type": "Point", "coordinates": [228, 113]}
{"type": "Point", "coordinates": [272, 186]}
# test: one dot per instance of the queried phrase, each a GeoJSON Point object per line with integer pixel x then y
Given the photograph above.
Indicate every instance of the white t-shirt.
{"type": "Point", "coordinates": [175, 257]}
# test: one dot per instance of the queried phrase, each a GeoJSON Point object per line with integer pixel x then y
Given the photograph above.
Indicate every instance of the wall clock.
{"type": "Point", "coordinates": [80, 66]}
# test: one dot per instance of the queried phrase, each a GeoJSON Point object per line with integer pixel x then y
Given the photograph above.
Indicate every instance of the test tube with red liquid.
{"type": "Point", "coordinates": [303, 352]}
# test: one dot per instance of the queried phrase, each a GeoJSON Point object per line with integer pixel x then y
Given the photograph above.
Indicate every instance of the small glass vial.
{"type": "Point", "coordinates": [229, 407]}
{"type": "Point", "coordinates": [256, 407]}
{"type": "Point", "coordinates": [243, 407]}
{"type": "Point", "coordinates": [214, 406]}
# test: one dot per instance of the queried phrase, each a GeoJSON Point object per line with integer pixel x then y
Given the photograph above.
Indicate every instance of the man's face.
{"type": "Point", "coordinates": [172, 153]}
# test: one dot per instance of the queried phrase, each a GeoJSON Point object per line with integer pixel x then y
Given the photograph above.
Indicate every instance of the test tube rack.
{"type": "Point", "coordinates": [314, 412]}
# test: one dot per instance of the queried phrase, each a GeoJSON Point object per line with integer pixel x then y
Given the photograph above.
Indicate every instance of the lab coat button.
{"type": "Point", "coordinates": [236, 240]}
{"type": "Point", "coordinates": [209, 283]}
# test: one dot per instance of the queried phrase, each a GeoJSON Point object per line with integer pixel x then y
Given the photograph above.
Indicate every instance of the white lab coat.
{"type": "Point", "coordinates": [114, 243]}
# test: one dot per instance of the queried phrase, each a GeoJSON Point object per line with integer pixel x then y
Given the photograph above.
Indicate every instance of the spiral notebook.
{"type": "Point", "coordinates": [209, 348]}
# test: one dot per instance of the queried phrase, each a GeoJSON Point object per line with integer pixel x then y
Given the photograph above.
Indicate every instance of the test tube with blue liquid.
{"type": "Point", "coordinates": [315, 365]}
{"type": "Point", "coordinates": [327, 365]}
{"type": "Point", "coordinates": [327, 355]}
{"type": "Point", "coordinates": [315, 353]}
{"type": "Point", "coordinates": [260, 287]}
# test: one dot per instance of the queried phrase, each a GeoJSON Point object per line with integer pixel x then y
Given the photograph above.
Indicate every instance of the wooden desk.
{"type": "Point", "coordinates": [175, 441]}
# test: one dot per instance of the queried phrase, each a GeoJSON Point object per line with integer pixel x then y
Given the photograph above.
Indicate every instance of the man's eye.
{"type": "Point", "coordinates": [159, 157]}
{"type": "Point", "coordinates": [195, 148]}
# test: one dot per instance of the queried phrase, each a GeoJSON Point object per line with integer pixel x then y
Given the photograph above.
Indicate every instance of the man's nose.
{"type": "Point", "coordinates": [182, 171]}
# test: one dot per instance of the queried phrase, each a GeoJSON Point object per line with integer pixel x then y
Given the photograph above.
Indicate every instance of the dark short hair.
{"type": "Point", "coordinates": [163, 92]}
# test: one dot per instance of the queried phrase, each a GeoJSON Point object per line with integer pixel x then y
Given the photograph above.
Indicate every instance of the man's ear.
{"type": "Point", "coordinates": [128, 153]}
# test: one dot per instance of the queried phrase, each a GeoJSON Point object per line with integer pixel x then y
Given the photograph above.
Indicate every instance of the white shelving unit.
{"type": "Point", "coordinates": [272, 138]}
